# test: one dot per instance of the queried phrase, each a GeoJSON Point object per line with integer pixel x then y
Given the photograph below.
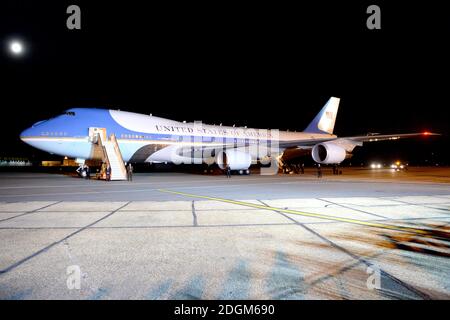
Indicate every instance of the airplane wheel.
{"type": "Point", "coordinates": [241, 172]}
{"type": "Point", "coordinates": [247, 172]}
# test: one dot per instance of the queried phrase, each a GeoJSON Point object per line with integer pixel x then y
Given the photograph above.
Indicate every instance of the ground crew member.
{"type": "Point", "coordinates": [228, 171]}
{"type": "Point", "coordinates": [88, 172]}
{"type": "Point", "coordinates": [108, 173]}
{"type": "Point", "coordinates": [103, 171]}
{"type": "Point", "coordinates": [130, 172]}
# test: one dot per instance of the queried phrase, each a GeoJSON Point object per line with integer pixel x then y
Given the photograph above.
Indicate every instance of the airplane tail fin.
{"type": "Point", "coordinates": [325, 119]}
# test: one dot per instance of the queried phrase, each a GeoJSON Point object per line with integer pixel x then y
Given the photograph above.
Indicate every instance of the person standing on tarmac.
{"type": "Point", "coordinates": [335, 169]}
{"type": "Point", "coordinates": [319, 171]}
{"type": "Point", "coordinates": [130, 172]}
{"type": "Point", "coordinates": [88, 172]}
{"type": "Point", "coordinates": [228, 171]}
{"type": "Point", "coordinates": [108, 173]}
{"type": "Point", "coordinates": [103, 171]}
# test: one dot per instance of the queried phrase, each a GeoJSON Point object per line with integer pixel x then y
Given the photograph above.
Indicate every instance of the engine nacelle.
{"type": "Point", "coordinates": [237, 160]}
{"type": "Point", "coordinates": [328, 153]}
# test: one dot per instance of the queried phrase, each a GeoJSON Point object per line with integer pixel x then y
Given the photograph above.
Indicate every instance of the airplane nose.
{"type": "Point", "coordinates": [31, 136]}
{"type": "Point", "coordinates": [35, 130]}
{"type": "Point", "coordinates": [26, 134]}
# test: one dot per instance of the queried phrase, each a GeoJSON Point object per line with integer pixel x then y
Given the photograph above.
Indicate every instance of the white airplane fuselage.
{"type": "Point", "coordinates": [146, 138]}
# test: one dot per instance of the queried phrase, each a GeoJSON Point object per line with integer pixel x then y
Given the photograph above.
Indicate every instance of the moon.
{"type": "Point", "coordinates": [16, 48]}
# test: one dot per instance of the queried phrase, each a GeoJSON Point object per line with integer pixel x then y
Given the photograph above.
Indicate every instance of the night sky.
{"type": "Point", "coordinates": [261, 65]}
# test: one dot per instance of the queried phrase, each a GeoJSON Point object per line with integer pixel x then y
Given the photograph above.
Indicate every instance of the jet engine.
{"type": "Point", "coordinates": [237, 160]}
{"type": "Point", "coordinates": [328, 153]}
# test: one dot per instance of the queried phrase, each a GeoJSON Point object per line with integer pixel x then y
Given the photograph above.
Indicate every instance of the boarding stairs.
{"type": "Point", "coordinates": [113, 157]}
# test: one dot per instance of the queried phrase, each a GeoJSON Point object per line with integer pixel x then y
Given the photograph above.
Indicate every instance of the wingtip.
{"type": "Point", "coordinates": [427, 133]}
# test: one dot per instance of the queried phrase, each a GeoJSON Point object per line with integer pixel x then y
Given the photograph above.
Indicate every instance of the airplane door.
{"type": "Point", "coordinates": [93, 131]}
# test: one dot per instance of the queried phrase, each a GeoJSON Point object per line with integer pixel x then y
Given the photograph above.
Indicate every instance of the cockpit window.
{"type": "Point", "coordinates": [69, 113]}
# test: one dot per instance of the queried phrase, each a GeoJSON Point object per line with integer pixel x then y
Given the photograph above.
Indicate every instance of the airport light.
{"type": "Point", "coordinates": [376, 166]}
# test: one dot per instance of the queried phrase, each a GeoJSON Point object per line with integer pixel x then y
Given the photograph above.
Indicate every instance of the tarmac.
{"type": "Point", "coordinates": [366, 234]}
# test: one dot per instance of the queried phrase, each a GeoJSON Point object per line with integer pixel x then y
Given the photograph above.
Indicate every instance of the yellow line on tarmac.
{"type": "Point", "coordinates": [301, 213]}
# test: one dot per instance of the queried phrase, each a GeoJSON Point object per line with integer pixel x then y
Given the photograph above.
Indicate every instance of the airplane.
{"type": "Point", "coordinates": [93, 134]}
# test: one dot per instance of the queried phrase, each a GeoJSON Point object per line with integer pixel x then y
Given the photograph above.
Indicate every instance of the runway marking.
{"type": "Point", "coordinates": [424, 205]}
{"type": "Point", "coordinates": [46, 248]}
{"type": "Point", "coordinates": [131, 210]}
{"type": "Point", "coordinates": [194, 215]}
{"type": "Point", "coordinates": [31, 211]}
{"type": "Point", "coordinates": [302, 213]}
{"type": "Point", "coordinates": [213, 225]}
{"type": "Point", "coordinates": [205, 226]}
{"type": "Point", "coordinates": [347, 267]}
{"type": "Point", "coordinates": [352, 255]}
{"type": "Point", "coordinates": [351, 208]}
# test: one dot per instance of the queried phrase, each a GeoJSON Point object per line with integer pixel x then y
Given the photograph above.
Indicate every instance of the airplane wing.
{"type": "Point", "coordinates": [381, 137]}
{"type": "Point", "coordinates": [349, 143]}
{"type": "Point", "coordinates": [304, 144]}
